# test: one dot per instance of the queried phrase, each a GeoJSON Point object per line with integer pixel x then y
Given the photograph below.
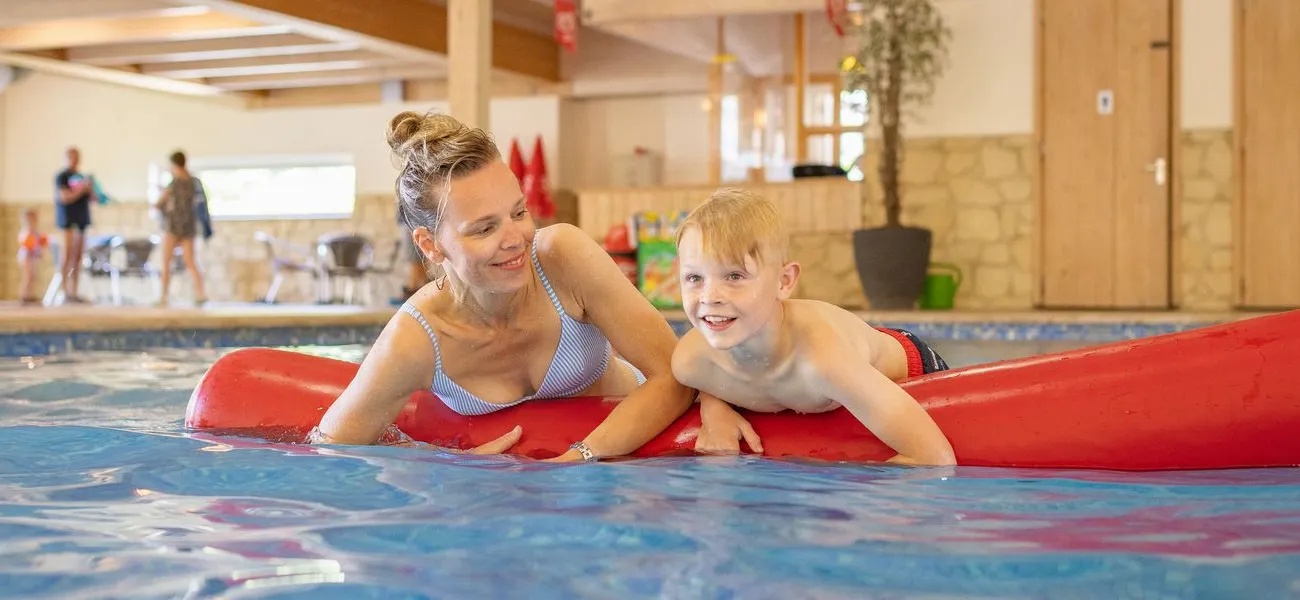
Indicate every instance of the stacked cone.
{"type": "Point", "coordinates": [517, 161]}
{"type": "Point", "coordinates": [536, 193]}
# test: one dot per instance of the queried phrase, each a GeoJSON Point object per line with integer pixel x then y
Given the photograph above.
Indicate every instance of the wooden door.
{"type": "Point", "coordinates": [1268, 138]}
{"type": "Point", "coordinates": [1105, 80]}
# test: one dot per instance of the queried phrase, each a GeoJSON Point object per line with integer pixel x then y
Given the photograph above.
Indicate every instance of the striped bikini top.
{"type": "Point", "coordinates": [580, 359]}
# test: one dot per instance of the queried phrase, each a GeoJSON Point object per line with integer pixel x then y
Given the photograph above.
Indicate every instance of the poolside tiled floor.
{"type": "Point", "coordinates": [19, 319]}
{"type": "Point", "coordinates": [88, 318]}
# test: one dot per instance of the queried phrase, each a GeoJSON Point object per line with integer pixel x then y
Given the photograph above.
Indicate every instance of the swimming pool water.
{"type": "Point", "coordinates": [103, 495]}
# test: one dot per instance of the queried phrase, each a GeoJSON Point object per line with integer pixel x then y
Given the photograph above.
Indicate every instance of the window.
{"type": "Point", "coordinates": [733, 169]}
{"type": "Point", "coordinates": [833, 123]}
{"type": "Point", "coordinates": [255, 188]}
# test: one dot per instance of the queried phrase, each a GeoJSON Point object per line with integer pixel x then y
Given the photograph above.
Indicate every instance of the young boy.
{"type": "Point", "coordinates": [31, 246]}
{"type": "Point", "coordinates": [753, 347]}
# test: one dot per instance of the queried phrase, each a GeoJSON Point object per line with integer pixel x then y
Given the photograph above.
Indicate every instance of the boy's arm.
{"type": "Point", "coordinates": [721, 426]}
{"type": "Point", "coordinates": [887, 410]}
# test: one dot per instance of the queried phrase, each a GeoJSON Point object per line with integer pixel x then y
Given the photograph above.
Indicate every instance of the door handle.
{"type": "Point", "coordinates": [1158, 167]}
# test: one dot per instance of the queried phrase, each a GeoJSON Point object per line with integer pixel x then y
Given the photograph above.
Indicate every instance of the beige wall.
{"type": "Point", "coordinates": [600, 136]}
{"type": "Point", "coordinates": [121, 130]}
{"type": "Point", "coordinates": [1206, 73]}
{"type": "Point", "coordinates": [987, 87]}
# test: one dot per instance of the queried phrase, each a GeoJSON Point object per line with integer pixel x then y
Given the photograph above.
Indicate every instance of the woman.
{"type": "Point", "coordinates": [180, 224]}
{"type": "Point", "coordinates": [519, 313]}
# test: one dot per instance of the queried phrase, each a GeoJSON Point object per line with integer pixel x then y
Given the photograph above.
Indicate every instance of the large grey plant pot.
{"type": "Point", "coordinates": [892, 263]}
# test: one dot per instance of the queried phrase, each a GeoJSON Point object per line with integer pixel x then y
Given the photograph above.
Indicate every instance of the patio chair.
{"type": "Point", "coordinates": [284, 262]}
{"type": "Point", "coordinates": [137, 253]}
{"type": "Point", "coordinates": [349, 257]}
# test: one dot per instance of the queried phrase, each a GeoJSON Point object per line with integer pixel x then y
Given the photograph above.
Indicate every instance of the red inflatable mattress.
{"type": "Point", "coordinates": [1218, 397]}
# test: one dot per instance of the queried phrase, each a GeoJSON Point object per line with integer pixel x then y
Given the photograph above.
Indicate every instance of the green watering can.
{"type": "Point", "coordinates": [941, 285]}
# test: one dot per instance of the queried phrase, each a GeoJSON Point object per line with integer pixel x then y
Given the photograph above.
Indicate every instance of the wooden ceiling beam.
{"type": "Point", "coordinates": [88, 32]}
{"type": "Point", "coordinates": [21, 12]}
{"type": "Point", "coordinates": [603, 12]}
{"type": "Point", "coordinates": [322, 78]}
{"type": "Point", "coordinates": [284, 44]}
{"type": "Point", "coordinates": [270, 65]}
{"type": "Point", "coordinates": [122, 76]}
{"type": "Point", "coordinates": [415, 29]}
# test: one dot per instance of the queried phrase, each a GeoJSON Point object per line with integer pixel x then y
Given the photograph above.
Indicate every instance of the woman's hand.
{"type": "Point", "coordinates": [721, 429]}
{"type": "Point", "coordinates": [638, 332]}
{"type": "Point", "coordinates": [497, 446]}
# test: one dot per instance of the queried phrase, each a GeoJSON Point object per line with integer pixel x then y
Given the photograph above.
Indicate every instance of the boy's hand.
{"type": "Point", "coordinates": [721, 428]}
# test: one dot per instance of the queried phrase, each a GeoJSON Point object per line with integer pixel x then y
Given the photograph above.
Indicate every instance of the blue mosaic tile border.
{"type": "Point", "coordinates": [52, 343]}
{"type": "Point", "coordinates": [992, 331]}
{"type": "Point", "coordinates": [1087, 332]}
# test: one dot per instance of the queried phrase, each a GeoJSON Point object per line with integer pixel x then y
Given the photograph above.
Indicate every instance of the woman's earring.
{"type": "Point", "coordinates": [439, 282]}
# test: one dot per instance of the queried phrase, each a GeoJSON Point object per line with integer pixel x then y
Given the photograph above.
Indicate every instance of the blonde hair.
{"type": "Point", "coordinates": [735, 223]}
{"type": "Point", "coordinates": [433, 149]}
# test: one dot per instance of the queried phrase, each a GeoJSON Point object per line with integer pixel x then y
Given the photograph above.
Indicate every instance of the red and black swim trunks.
{"type": "Point", "coordinates": [921, 358]}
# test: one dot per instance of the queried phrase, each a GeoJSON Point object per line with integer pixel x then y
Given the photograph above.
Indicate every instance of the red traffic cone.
{"type": "Point", "coordinates": [517, 161]}
{"type": "Point", "coordinates": [536, 193]}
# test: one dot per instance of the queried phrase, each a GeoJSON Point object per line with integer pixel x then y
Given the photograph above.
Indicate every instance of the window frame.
{"type": "Point", "coordinates": [197, 165]}
{"type": "Point", "coordinates": [839, 128]}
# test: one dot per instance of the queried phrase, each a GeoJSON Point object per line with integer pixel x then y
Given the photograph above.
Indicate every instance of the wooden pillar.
{"type": "Point", "coordinates": [469, 60]}
{"type": "Point", "coordinates": [800, 89]}
{"type": "Point", "coordinates": [717, 80]}
{"type": "Point", "coordinates": [756, 134]}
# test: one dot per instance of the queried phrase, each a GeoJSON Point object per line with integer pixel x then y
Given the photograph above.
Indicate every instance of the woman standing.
{"type": "Point", "coordinates": [180, 225]}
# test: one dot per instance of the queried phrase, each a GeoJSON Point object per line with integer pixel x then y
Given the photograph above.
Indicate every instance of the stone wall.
{"type": "Point", "coordinates": [974, 194]}
{"type": "Point", "coordinates": [827, 269]}
{"type": "Point", "coordinates": [1206, 231]}
{"type": "Point", "coordinates": [236, 266]}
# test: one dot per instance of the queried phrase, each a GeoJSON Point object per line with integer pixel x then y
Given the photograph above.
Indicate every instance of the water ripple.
{"type": "Point", "coordinates": [102, 495]}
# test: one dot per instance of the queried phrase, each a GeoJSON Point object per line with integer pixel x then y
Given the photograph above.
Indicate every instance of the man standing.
{"type": "Point", "coordinates": [72, 193]}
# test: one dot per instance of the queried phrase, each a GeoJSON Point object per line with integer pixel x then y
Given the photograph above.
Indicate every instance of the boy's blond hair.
{"type": "Point", "coordinates": [735, 223]}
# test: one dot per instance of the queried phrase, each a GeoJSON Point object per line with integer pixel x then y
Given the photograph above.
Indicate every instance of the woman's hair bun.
{"type": "Point", "coordinates": [402, 129]}
{"type": "Point", "coordinates": [408, 128]}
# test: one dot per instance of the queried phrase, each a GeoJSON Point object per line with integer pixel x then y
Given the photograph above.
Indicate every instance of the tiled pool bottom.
{"type": "Point", "coordinates": [1028, 335]}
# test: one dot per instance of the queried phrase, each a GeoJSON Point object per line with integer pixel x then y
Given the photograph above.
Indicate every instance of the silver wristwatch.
{"type": "Point", "coordinates": [582, 448]}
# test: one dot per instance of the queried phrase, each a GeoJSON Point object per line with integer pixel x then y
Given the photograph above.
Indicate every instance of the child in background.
{"type": "Point", "coordinates": [752, 346]}
{"type": "Point", "coordinates": [31, 247]}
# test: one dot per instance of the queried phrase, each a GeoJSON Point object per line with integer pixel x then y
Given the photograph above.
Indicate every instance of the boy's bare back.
{"type": "Point", "coordinates": [821, 335]}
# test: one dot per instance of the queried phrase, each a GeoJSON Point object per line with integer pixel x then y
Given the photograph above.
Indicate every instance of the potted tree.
{"type": "Point", "coordinates": [901, 52]}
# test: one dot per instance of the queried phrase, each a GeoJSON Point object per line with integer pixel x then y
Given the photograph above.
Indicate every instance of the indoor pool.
{"type": "Point", "coordinates": [102, 495]}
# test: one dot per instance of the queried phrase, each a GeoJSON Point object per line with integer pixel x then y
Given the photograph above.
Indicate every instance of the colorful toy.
{"type": "Point", "coordinates": [618, 243]}
{"type": "Point", "coordinates": [98, 191]}
{"type": "Point", "coordinates": [34, 241]}
{"type": "Point", "coordinates": [657, 258]}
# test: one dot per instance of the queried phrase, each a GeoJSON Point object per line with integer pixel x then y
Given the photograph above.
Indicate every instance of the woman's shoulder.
{"type": "Point", "coordinates": [564, 244]}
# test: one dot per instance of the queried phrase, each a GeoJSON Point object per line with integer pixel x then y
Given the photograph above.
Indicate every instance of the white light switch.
{"type": "Point", "coordinates": [1105, 102]}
